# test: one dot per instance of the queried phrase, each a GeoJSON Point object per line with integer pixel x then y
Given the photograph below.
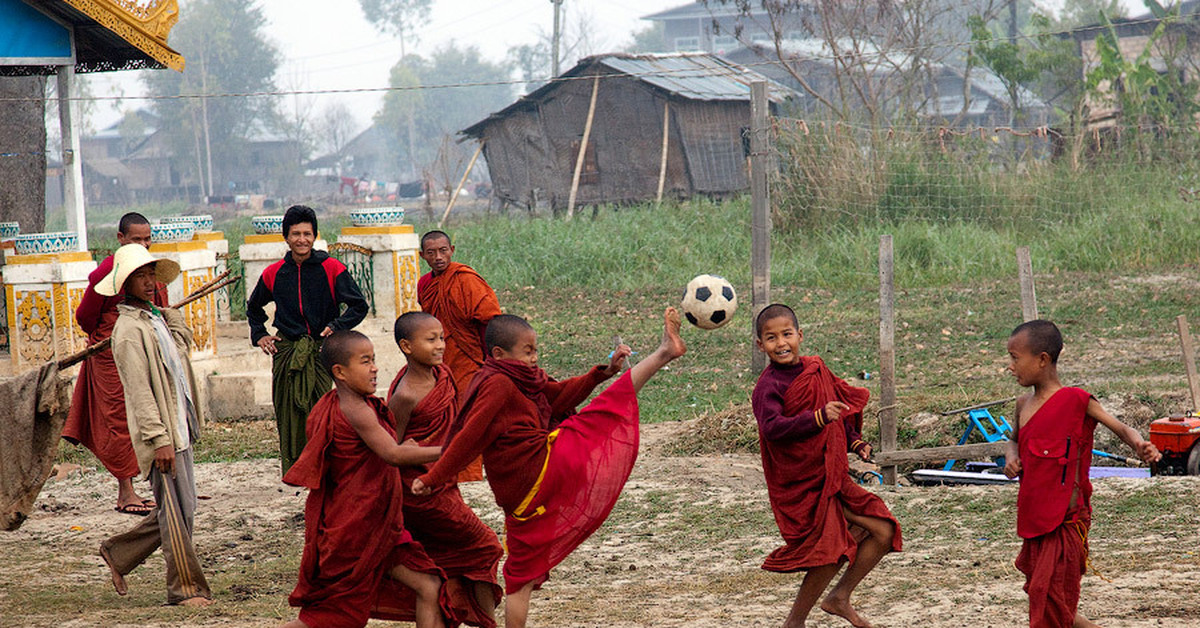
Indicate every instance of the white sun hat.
{"type": "Point", "coordinates": [126, 261]}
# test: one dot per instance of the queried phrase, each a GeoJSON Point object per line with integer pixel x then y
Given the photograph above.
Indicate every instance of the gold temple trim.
{"type": "Point", "coordinates": [146, 28]}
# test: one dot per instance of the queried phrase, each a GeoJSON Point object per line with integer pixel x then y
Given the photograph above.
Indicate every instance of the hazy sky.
{"type": "Point", "coordinates": [328, 44]}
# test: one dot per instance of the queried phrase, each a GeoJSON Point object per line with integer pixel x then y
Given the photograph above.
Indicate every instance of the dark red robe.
{"type": "Point", "coordinates": [96, 418]}
{"type": "Point", "coordinates": [451, 533]}
{"type": "Point", "coordinates": [353, 526]}
{"type": "Point", "coordinates": [1054, 508]}
{"type": "Point", "coordinates": [556, 483]}
{"type": "Point", "coordinates": [804, 461]}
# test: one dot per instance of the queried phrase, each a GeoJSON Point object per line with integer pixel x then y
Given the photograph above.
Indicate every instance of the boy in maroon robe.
{"type": "Point", "coordinates": [807, 421]}
{"type": "Point", "coordinates": [354, 537]}
{"type": "Point", "coordinates": [556, 480]}
{"type": "Point", "coordinates": [424, 400]}
{"type": "Point", "coordinates": [1052, 453]}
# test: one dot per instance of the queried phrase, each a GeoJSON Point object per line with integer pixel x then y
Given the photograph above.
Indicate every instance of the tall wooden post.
{"type": "Point", "coordinates": [461, 183]}
{"type": "Point", "coordinates": [760, 208]}
{"type": "Point", "coordinates": [72, 160]}
{"type": "Point", "coordinates": [1189, 361]}
{"type": "Point", "coordinates": [1029, 309]}
{"type": "Point", "coordinates": [887, 355]}
{"type": "Point", "coordinates": [666, 135]}
{"type": "Point", "coordinates": [583, 143]}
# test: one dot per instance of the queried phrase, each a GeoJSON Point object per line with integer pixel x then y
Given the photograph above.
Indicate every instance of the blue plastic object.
{"type": "Point", "coordinates": [992, 429]}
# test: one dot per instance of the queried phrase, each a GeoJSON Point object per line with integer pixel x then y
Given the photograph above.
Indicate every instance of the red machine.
{"type": "Point", "coordinates": [1178, 437]}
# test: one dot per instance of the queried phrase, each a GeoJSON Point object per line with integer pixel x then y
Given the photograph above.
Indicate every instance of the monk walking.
{"type": "Point", "coordinates": [97, 416]}
{"type": "Point", "coordinates": [464, 303]}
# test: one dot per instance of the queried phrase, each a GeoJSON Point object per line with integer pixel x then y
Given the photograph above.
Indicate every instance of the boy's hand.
{"type": "Point", "coordinates": [865, 452]}
{"type": "Point", "coordinates": [267, 344]}
{"type": "Point", "coordinates": [834, 410]}
{"type": "Point", "coordinates": [619, 355]}
{"type": "Point", "coordinates": [1012, 467]}
{"type": "Point", "coordinates": [419, 488]}
{"type": "Point", "coordinates": [1148, 452]}
{"type": "Point", "coordinates": [164, 460]}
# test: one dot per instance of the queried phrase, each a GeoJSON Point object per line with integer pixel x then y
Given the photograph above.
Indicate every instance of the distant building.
{"type": "Point", "coordinates": [716, 27]}
{"type": "Point", "coordinates": [532, 146]}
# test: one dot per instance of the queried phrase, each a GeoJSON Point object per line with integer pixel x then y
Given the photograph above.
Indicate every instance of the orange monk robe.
{"type": "Point", "coordinates": [464, 303]}
{"type": "Point", "coordinates": [353, 525]}
{"type": "Point", "coordinates": [451, 533]}
{"type": "Point", "coordinates": [96, 418]}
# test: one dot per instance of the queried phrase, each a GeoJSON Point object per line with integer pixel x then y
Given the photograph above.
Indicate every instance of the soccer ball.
{"type": "Point", "coordinates": [709, 301]}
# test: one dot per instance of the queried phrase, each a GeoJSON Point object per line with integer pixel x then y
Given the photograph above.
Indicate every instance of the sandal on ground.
{"type": "Point", "coordinates": [140, 510]}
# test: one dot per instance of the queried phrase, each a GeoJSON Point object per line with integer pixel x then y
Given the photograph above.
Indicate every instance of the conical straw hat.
{"type": "Point", "coordinates": [126, 261]}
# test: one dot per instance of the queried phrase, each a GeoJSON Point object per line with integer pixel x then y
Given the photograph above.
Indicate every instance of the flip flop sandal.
{"type": "Point", "coordinates": [140, 510]}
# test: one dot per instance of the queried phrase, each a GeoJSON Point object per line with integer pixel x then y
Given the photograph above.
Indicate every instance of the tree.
{"type": "Point", "coordinates": [227, 53]}
{"type": "Point", "coordinates": [1076, 13]}
{"type": "Point", "coordinates": [1042, 62]}
{"type": "Point", "coordinates": [335, 126]}
{"type": "Point", "coordinates": [401, 18]}
{"type": "Point", "coordinates": [23, 145]}
{"type": "Point", "coordinates": [653, 38]}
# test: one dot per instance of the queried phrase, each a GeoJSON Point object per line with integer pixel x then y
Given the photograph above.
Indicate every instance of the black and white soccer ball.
{"type": "Point", "coordinates": [709, 301]}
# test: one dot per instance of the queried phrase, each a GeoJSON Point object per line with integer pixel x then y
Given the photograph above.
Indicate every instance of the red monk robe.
{"type": "Point", "coordinates": [464, 303]}
{"type": "Point", "coordinates": [1054, 505]}
{"type": "Point", "coordinates": [451, 533]}
{"type": "Point", "coordinates": [804, 461]}
{"type": "Point", "coordinates": [555, 481]}
{"type": "Point", "coordinates": [96, 418]}
{"type": "Point", "coordinates": [353, 526]}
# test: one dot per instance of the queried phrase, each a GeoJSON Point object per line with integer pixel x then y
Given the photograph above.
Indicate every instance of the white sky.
{"type": "Point", "coordinates": [328, 44]}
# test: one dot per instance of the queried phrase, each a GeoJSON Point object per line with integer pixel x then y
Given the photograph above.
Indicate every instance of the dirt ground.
{"type": "Point", "coordinates": [682, 548]}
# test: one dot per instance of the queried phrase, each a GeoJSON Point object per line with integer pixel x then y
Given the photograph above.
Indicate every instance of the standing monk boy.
{"type": "Point", "coordinates": [308, 287]}
{"type": "Point", "coordinates": [97, 416]}
{"type": "Point", "coordinates": [807, 421]}
{"type": "Point", "coordinates": [355, 544]}
{"type": "Point", "coordinates": [151, 347]}
{"type": "Point", "coordinates": [464, 303]}
{"type": "Point", "coordinates": [556, 480]}
{"type": "Point", "coordinates": [424, 400]}
{"type": "Point", "coordinates": [1052, 453]}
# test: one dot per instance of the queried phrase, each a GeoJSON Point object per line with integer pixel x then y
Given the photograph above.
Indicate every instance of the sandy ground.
{"type": "Point", "coordinates": [682, 548]}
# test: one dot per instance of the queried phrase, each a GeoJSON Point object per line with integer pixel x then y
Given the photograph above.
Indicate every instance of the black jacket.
{"type": "Point", "coordinates": [307, 297]}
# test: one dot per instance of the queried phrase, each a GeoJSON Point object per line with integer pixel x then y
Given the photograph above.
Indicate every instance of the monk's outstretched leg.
{"type": "Point", "coordinates": [672, 347]}
{"type": "Point", "coordinates": [1083, 622]}
{"type": "Point", "coordinates": [427, 587]}
{"type": "Point", "coordinates": [516, 607]}
{"type": "Point", "coordinates": [295, 623]}
{"type": "Point", "coordinates": [811, 588]}
{"type": "Point", "coordinates": [878, 542]}
{"type": "Point", "coordinates": [485, 597]}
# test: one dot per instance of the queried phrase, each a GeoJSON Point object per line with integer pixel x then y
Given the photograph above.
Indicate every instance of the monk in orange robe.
{"type": "Point", "coordinates": [97, 415]}
{"type": "Point", "coordinates": [356, 549]}
{"type": "Point", "coordinates": [423, 398]}
{"type": "Point", "coordinates": [1051, 452]}
{"type": "Point", "coordinates": [808, 420]}
{"type": "Point", "coordinates": [464, 303]}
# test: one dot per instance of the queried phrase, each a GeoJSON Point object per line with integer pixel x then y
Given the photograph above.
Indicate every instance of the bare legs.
{"type": "Point", "coordinates": [516, 605]}
{"type": "Point", "coordinates": [1083, 622]}
{"type": "Point", "coordinates": [427, 586]}
{"type": "Point", "coordinates": [127, 496]}
{"type": "Point", "coordinates": [672, 347]}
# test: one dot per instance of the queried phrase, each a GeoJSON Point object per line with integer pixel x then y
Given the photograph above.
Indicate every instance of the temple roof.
{"type": "Point", "coordinates": [114, 34]}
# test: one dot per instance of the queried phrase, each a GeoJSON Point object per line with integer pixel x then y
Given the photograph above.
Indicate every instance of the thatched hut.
{"type": "Point", "coordinates": [532, 146]}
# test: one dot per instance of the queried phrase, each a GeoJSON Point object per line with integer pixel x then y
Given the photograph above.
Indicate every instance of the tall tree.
{"type": "Point", "coordinates": [227, 53]}
{"type": "Point", "coordinates": [22, 146]}
{"type": "Point", "coordinates": [402, 18]}
{"type": "Point", "coordinates": [335, 126]}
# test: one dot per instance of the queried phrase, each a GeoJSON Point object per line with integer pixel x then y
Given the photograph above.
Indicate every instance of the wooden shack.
{"type": "Point", "coordinates": [532, 146]}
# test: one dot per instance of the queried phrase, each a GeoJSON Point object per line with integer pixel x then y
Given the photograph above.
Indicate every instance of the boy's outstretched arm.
{"type": "Point", "coordinates": [1012, 448]}
{"type": "Point", "coordinates": [1144, 448]}
{"type": "Point", "coordinates": [362, 418]}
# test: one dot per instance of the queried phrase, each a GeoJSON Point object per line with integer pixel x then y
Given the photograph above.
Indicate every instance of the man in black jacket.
{"type": "Point", "coordinates": [308, 288]}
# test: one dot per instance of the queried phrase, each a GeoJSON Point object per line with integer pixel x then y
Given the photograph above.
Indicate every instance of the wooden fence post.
{"type": "Point", "coordinates": [587, 132]}
{"type": "Point", "coordinates": [887, 355]}
{"type": "Point", "coordinates": [666, 134]}
{"type": "Point", "coordinates": [461, 182]}
{"type": "Point", "coordinates": [1029, 309]}
{"type": "Point", "coordinates": [760, 223]}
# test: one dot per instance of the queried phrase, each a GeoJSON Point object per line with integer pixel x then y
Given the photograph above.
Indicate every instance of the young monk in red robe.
{"type": "Point", "coordinates": [807, 421]}
{"type": "Point", "coordinates": [556, 480]}
{"type": "Point", "coordinates": [355, 543]}
{"type": "Point", "coordinates": [1052, 453]}
{"type": "Point", "coordinates": [423, 398]}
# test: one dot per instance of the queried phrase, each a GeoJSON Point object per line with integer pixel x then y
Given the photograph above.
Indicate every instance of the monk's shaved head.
{"type": "Point", "coordinates": [1041, 336]}
{"type": "Point", "coordinates": [434, 235]}
{"type": "Point", "coordinates": [409, 323]}
{"type": "Point", "coordinates": [773, 311]}
{"type": "Point", "coordinates": [504, 331]}
{"type": "Point", "coordinates": [339, 347]}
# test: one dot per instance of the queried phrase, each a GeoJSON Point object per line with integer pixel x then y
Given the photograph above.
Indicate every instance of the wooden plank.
{"type": "Point", "coordinates": [760, 208]}
{"type": "Point", "coordinates": [1189, 361]}
{"type": "Point", "coordinates": [887, 355]}
{"type": "Point", "coordinates": [662, 166]}
{"type": "Point", "coordinates": [587, 132]}
{"type": "Point", "coordinates": [889, 459]}
{"type": "Point", "coordinates": [1029, 308]}
{"type": "Point", "coordinates": [461, 182]}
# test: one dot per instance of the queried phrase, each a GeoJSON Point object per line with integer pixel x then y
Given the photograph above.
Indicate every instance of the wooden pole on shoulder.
{"type": "Point", "coordinates": [1029, 308]}
{"type": "Point", "coordinates": [461, 182]}
{"type": "Point", "coordinates": [760, 209]}
{"type": "Point", "coordinates": [887, 355]}
{"type": "Point", "coordinates": [583, 144]}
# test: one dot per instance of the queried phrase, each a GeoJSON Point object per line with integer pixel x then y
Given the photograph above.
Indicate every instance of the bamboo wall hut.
{"type": "Point", "coordinates": [532, 146]}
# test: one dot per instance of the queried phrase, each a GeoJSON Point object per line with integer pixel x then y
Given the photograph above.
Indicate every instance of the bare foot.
{"type": "Point", "coordinates": [1083, 622]}
{"type": "Point", "coordinates": [195, 602]}
{"type": "Point", "coordinates": [672, 343]}
{"type": "Point", "coordinates": [117, 579]}
{"type": "Point", "coordinates": [842, 609]}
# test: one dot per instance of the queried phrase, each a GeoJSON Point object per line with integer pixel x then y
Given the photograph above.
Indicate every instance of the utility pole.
{"type": "Point", "coordinates": [1012, 21]}
{"type": "Point", "coordinates": [554, 63]}
{"type": "Point", "coordinates": [204, 115]}
{"type": "Point", "coordinates": [760, 209]}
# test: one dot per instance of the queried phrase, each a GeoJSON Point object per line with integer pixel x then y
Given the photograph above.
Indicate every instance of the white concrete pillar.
{"type": "Point", "coordinates": [395, 266]}
{"type": "Point", "coordinates": [41, 293]}
{"type": "Point", "coordinates": [72, 159]}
